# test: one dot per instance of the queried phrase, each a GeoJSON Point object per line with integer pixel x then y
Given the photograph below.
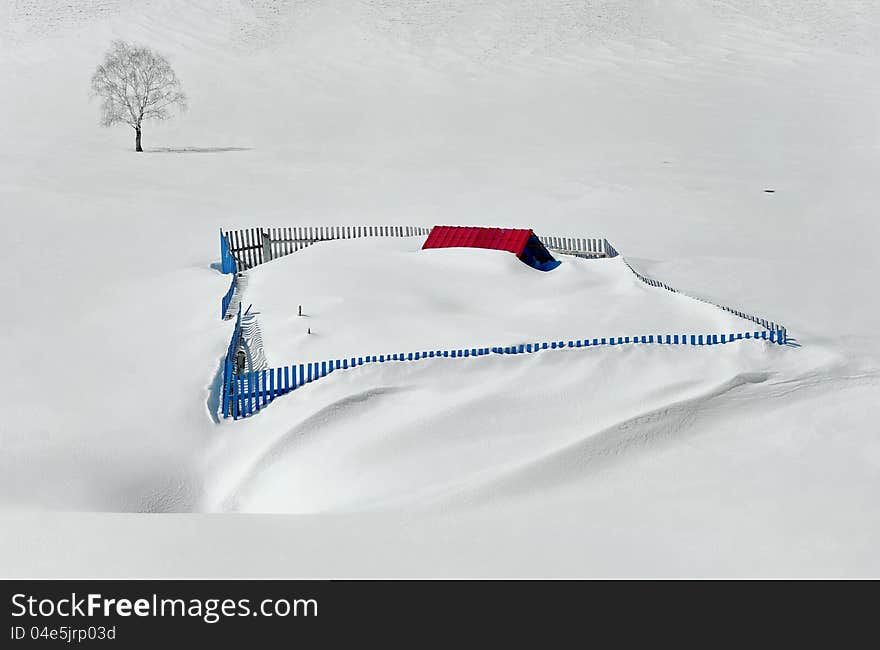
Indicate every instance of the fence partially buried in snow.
{"type": "Point", "coordinates": [246, 248]}
{"type": "Point", "coordinates": [254, 246]}
{"type": "Point", "coordinates": [247, 393]}
{"type": "Point", "coordinates": [250, 247]}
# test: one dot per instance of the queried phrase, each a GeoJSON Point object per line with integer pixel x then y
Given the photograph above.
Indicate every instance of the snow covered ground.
{"type": "Point", "coordinates": [656, 125]}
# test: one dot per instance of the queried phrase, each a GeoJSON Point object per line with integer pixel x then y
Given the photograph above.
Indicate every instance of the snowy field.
{"type": "Point", "coordinates": [658, 125]}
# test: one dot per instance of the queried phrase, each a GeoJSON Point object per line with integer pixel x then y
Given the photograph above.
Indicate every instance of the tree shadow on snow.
{"type": "Point", "coordinates": [196, 149]}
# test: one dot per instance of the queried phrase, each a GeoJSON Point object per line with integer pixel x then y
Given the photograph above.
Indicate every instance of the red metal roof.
{"type": "Point", "coordinates": [501, 239]}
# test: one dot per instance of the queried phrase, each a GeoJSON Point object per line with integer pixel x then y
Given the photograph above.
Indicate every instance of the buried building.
{"type": "Point", "coordinates": [521, 242]}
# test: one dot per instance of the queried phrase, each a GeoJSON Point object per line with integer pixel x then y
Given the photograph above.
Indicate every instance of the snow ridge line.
{"type": "Point", "coordinates": [245, 394]}
{"type": "Point", "coordinates": [763, 322]}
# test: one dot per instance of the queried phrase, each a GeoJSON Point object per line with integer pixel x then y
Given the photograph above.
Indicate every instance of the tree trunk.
{"type": "Point", "coordinates": [137, 139]}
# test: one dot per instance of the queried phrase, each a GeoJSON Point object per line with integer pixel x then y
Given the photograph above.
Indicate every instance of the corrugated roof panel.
{"type": "Point", "coordinates": [513, 240]}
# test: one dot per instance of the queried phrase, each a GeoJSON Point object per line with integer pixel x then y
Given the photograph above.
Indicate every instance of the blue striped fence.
{"type": "Point", "coordinates": [247, 393]}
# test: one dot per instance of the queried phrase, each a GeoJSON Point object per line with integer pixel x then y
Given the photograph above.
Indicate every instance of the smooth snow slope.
{"type": "Point", "coordinates": [657, 125]}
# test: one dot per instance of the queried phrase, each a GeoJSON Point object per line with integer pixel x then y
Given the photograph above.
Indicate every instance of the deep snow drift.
{"type": "Point", "coordinates": [656, 125]}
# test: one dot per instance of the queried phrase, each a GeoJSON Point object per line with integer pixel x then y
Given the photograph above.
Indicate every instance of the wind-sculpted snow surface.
{"type": "Point", "coordinates": [657, 125]}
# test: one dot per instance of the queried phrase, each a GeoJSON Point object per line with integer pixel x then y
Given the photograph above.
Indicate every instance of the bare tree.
{"type": "Point", "coordinates": [135, 84]}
